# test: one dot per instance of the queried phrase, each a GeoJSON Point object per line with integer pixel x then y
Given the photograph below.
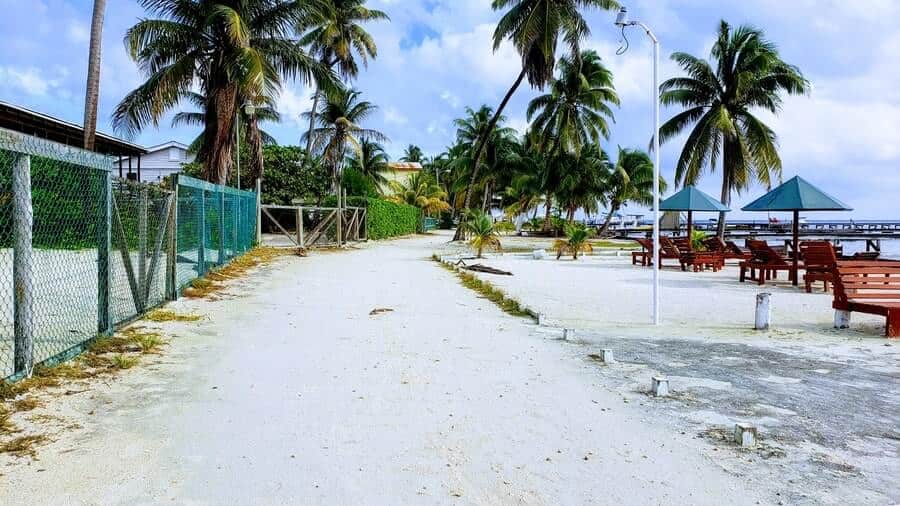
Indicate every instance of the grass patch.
{"type": "Point", "coordinates": [142, 340]}
{"type": "Point", "coordinates": [6, 425]}
{"type": "Point", "coordinates": [211, 283]}
{"type": "Point", "coordinates": [508, 305]}
{"type": "Point", "coordinates": [27, 404]}
{"type": "Point", "coordinates": [23, 446]}
{"type": "Point", "coordinates": [620, 245]}
{"type": "Point", "coordinates": [165, 315]}
{"type": "Point", "coordinates": [122, 361]}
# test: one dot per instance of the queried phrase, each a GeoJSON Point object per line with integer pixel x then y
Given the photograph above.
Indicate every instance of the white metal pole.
{"type": "Point", "coordinates": [656, 169]}
{"type": "Point", "coordinates": [237, 142]}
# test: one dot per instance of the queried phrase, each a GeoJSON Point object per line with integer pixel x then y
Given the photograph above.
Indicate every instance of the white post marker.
{"type": "Point", "coordinates": [659, 386]}
{"type": "Point", "coordinates": [841, 319]}
{"type": "Point", "coordinates": [745, 435]}
{"type": "Point", "coordinates": [763, 311]}
{"type": "Point", "coordinates": [606, 356]}
{"type": "Point", "coordinates": [622, 21]}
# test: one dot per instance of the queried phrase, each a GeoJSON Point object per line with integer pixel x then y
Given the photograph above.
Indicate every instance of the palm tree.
{"type": "Point", "coordinates": [339, 128]}
{"type": "Point", "coordinates": [371, 161]}
{"type": "Point", "coordinates": [481, 226]}
{"type": "Point", "coordinates": [744, 72]}
{"type": "Point", "coordinates": [575, 111]}
{"type": "Point", "coordinates": [337, 38]}
{"type": "Point", "coordinates": [228, 50]}
{"type": "Point", "coordinates": [469, 130]}
{"type": "Point", "coordinates": [422, 191]}
{"type": "Point", "coordinates": [631, 180]}
{"type": "Point", "coordinates": [535, 27]}
{"type": "Point", "coordinates": [92, 90]}
{"type": "Point", "coordinates": [412, 154]}
{"type": "Point", "coordinates": [576, 241]}
{"type": "Point", "coordinates": [252, 135]}
{"type": "Point", "coordinates": [581, 179]}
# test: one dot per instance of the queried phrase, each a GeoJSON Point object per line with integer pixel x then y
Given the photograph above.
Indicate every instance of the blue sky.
{"type": "Point", "coordinates": [435, 58]}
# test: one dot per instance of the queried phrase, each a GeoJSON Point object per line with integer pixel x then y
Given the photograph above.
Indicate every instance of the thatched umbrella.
{"type": "Point", "coordinates": [796, 195]}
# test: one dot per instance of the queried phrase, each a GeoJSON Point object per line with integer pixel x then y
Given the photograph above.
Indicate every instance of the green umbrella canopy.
{"type": "Point", "coordinates": [796, 194]}
{"type": "Point", "coordinates": [692, 199]}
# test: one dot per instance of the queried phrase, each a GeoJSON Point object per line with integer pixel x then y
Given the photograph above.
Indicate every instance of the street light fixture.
{"type": "Point", "coordinates": [250, 110]}
{"type": "Point", "coordinates": [623, 22]}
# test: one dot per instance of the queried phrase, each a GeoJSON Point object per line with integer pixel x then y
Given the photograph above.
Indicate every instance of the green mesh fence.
{"type": "Point", "coordinates": [82, 252]}
{"type": "Point", "coordinates": [215, 224]}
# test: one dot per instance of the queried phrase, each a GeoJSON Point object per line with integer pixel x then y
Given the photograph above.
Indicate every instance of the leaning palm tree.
{"type": "Point", "coordinates": [422, 191]}
{"type": "Point", "coordinates": [337, 38]}
{"type": "Point", "coordinates": [412, 154]}
{"type": "Point", "coordinates": [631, 180]}
{"type": "Point", "coordinates": [340, 128]}
{"type": "Point", "coordinates": [576, 241]}
{"type": "Point", "coordinates": [744, 72]}
{"type": "Point", "coordinates": [226, 49]}
{"type": "Point", "coordinates": [371, 161]}
{"type": "Point", "coordinates": [535, 27]}
{"type": "Point", "coordinates": [484, 235]}
{"type": "Point", "coordinates": [576, 111]}
{"type": "Point", "coordinates": [92, 90]}
{"type": "Point", "coordinates": [580, 182]}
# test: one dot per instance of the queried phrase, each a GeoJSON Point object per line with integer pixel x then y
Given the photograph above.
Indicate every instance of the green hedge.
{"type": "Point", "coordinates": [386, 219]}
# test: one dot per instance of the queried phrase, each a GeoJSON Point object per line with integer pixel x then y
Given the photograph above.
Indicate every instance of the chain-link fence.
{"type": "Point", "coordinates": [82, 252]}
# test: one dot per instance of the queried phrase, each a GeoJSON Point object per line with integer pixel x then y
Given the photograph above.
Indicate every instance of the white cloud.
{"type": "Point", "coordinates": [393, 116]}
{"type": "Point", "coordinates": [292, 103]}
{"type": "Point", "coordinates": [30, 81]}
{"type": "Point", "coordinates": [78, 32]}
{"type": "Point", "coordinates": [450, 98]}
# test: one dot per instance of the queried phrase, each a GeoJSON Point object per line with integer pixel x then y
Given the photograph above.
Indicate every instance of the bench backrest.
{"type": "Point", "coordinates": [761, 252]}
{"type": "Point", "coordinates": [669, 247]}
{"type": "Point", "coordinates": [647, 244]}
{"type": "Point", "coordinates": [716, 244]}
{"type": "Point", "coordinates": [867, 280]}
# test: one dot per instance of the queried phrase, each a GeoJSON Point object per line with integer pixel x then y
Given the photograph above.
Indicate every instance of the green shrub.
{"type": "Point", "coordinates": [388, 219]}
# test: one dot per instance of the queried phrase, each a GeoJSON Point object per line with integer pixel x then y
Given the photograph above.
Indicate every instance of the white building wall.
{"type": "Point", "coordinates": [159, 163]}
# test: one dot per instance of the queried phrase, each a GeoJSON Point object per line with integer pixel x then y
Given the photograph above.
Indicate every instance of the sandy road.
{"type": "Point", "coordinates": [291, 392]}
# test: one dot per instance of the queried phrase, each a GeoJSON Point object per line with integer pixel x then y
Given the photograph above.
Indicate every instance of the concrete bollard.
{"type": "Point", "coordinates": [568, 334]}
{"type": "Point", "coordinates": [659, 386]}
{"type": "Point", "coordinates": [539, 254]}
{"type": "Point", "coordinates": [841, 319]}
{"type": "Point", "coordinates": [763, 311]}
{"type": "Point", "coordinates": [745, 435]}
{"type": "Point", "coordinates": [606, 356]}
{"type": "Point", "coordinates": [541, 319]}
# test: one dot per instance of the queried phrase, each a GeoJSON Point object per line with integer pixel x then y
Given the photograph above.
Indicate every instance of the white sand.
{"type": "Point", "coordinates": [292, 393]}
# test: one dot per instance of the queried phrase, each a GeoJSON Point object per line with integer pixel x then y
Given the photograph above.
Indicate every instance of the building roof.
{"type": "Point", "coordinates": [405, 166]}
{"type": "Point", "coordinates": [167, 145]}
{"type": "Point", "coordinates": [34, 123]}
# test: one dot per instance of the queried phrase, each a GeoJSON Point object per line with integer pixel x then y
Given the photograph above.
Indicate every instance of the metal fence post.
{"type": "Point", "coordinates": [221, 190]}
{"type": "Point", "coordinates": [258, 212]}
{"type": "Point", "coordinates": [201, 251]}
{"type": "Point", "coordinates": [172, 246]}
{"type": "Point", "coordinates": [23, 283]}
{"type": "Point", "coordinates": [143, 211]}
{"type": "Point", "coordinates": [104, 245]}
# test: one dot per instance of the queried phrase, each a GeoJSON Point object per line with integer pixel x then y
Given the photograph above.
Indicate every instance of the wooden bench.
{"type": "Point", "coordinates": [645, 257]}
{"type": "Point", "coordinates": [819, 259]}
{"type": "Point", "coordinates": [868, 286]}
{"type": "Point", "coordinates": [765, 260]}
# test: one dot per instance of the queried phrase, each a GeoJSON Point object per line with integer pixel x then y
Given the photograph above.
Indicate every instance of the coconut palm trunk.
{"type": "Point", "coordinates": [220, 161]}
{"type": "Point", "coordinates": [482, 142]}
{"type": "Point", "coordinates": [92, 91]}
{"type": "Point", "coordinates": [312, 120]}
{"type": "Point", "coordinates": [548, 210]}
{"type": "Point", "coordinates": [613, 209]}
{"type": "Point", "coordinates": [255, 146]}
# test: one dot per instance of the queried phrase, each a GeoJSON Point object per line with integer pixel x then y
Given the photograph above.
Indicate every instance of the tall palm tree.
{"type": "Point", "coordinates": [422, 191]}
{"type": "Point", "coordinates": [92, 90]}
{"type": "Point", "coordinates": [412, 154]}
{"type": "Point", "coordinates": [469, 131]}
{"type": "Point", "coordinates": [535, 27]}
{"type": "Point", "coordinates": [576, 110]}
{"type": "Point", "coordinates": [581, 180]}
{"type": "Point", "coordinates": [631, 180]}
{"type": "Point", "coordinates": [252, 134]}
{"type": "Point", "coordinates": [337, 38]}
{"type": "Point", "coordinates": [340, 128]}
{"type": "Point", "coordinates": [371, 161]}
{"type": "Point", "coordinates": [227, 48]}
{"type": "Point", "coordinates": [744, 72]}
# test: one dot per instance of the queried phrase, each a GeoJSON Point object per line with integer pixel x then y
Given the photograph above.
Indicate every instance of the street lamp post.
{"type": "Point", "coordinates": [622, 21]}
{"type": "Point", "coordinates": [250, 109]}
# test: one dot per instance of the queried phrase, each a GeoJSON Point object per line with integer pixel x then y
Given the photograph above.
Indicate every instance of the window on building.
{"type": "Point", "coordinates": [174, 154]}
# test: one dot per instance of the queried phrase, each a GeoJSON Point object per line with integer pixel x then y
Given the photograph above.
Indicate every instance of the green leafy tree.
{"type": "Point", "coordinates": [340, 127]}
{"type": "Point", "coordinates": [631, 181]}
{"type": "Point", "coordinates": [227, 49]}
{"type": "Point", "coordinates": [370, 161]}
{"type": "Point", "coordinates": [744, 73]}
{"type": "Point", "coordinates": [576, 241]}
{"type": "Point", "coordinates": [412, 154]}
{"type": "Point", "coordinates": [422, 191]}
{"type": "Point", "coordinates": [580, 180]}
{"type": "Point", "coordinates": [337, 37]}
{"type": "Point", "coordinates": [535, 27]}
{"type": "Point", "coordinates": [576, 111]}
{"type": "Point", "coordinates": [480, 227]}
